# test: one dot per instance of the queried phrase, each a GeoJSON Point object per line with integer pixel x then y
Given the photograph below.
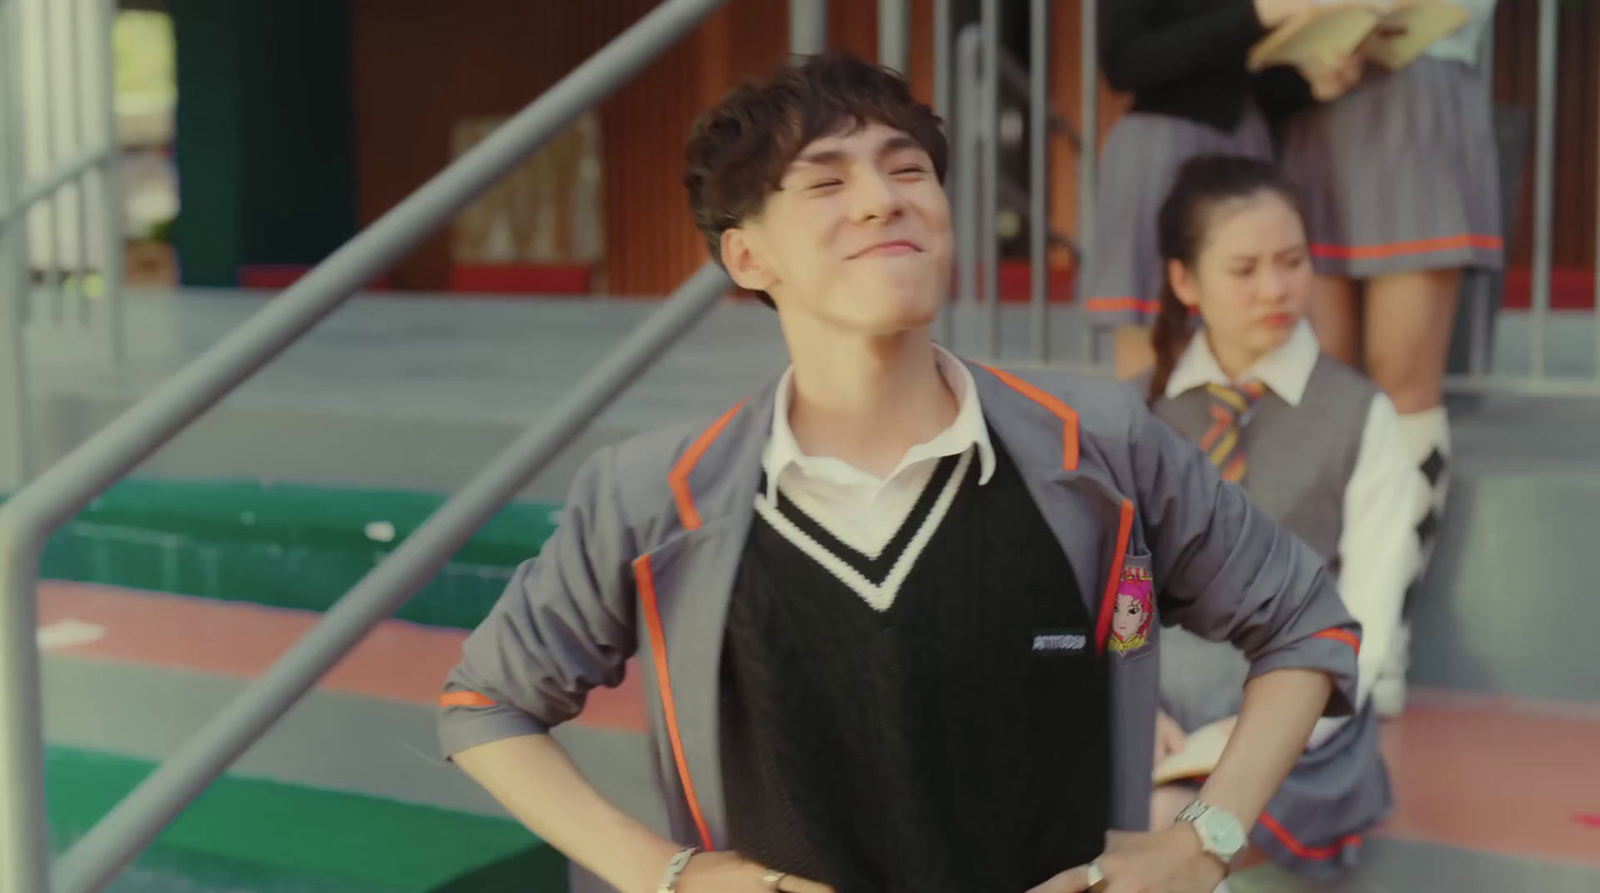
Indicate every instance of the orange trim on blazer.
{"type": "Point", "coordinates": [1069, 417]}
{"type": "Point", "coordinates": [1108, 599]}
{"type": "Point", "coordinates": [658, 647]}
{"type": "Point", "coordinates": [678, 480]}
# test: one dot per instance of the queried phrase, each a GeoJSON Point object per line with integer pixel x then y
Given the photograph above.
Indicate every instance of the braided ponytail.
{"type": "Point", "coordinates": [1182, 225]}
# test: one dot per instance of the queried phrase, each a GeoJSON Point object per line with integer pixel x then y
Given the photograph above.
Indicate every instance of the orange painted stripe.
{"type": "Point", "coordinates": [1307, 852]}
{"type": "Point", "coordinates": [1341, 635]}
{"type": "Point", "coordinates": [1113, 305]}
{"type": "Point", "coordinates": [1069, 418]}
{"type": "Point", "coordinates": [464, 699]}
{"type": "Point", "coordinates": [658, 646]}
{"type": "Point", "coordinates": [1400, 249]}
{"type": "Point", "coordinates": [1108, 599]}
{"type": "Point", "coordinates": [679, 478]}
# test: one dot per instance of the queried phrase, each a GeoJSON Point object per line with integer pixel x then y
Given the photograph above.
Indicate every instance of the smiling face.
{"type": "Point", "coordinates": [1252, 278]}
{"type": "Point", "coordinates": [857, 234]}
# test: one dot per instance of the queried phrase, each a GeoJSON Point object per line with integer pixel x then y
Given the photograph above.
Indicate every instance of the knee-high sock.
{"type": "Point", "coordinates": [1428, 433]}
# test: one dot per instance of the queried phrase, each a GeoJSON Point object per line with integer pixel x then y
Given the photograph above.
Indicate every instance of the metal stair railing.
{"type": "Point", "coordinates": [28, 519]}
{"type": "Point", "coordinates": [982, 68]}
{"type": "Point", "coordinates": [83, 162]}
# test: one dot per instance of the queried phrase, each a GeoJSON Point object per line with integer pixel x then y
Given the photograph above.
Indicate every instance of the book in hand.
{"type": "Point", "coordinates": [1202, 750]}
{"type": "Point", "coordinates": [1390, 35]}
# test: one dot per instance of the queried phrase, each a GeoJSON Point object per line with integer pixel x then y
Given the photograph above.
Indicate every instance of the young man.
{"type": "Point", "coordinates": [876, 603]}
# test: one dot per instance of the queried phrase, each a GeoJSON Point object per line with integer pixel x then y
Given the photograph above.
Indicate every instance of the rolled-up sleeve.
{"type": "Point", "coordinates": [1226, 572]}
{"type": "Point", "coordinates": [564, 625]}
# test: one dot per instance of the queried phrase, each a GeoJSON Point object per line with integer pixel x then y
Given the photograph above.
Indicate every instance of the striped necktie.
{"type": "Point", "coordinates": [1221, 442]}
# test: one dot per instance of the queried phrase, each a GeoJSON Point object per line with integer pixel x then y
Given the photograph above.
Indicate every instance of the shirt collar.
{"type": "Point", "coordinates": [1285, 371]}
{"type": "Point", "coordinates": [967, 431]}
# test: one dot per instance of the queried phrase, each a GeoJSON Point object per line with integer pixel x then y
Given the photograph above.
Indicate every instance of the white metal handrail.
{"type": "Point", "coordinates": [38, 509]}
{"type": "Point", "coordinates": [78, 161]}
{"type": "Point", "coordinates": [28, 519]}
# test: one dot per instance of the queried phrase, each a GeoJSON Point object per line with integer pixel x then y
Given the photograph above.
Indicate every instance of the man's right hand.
{"type": "Point", "coordinates": [732, 873]}
{"type": "Point", "coordinates": [1272, 13]}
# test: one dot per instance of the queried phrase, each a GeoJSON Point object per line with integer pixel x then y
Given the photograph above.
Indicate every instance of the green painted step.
{"type": "Point", "coordinates": [284, 545]}
{"type": "Point", "coordinates": [266, 836]}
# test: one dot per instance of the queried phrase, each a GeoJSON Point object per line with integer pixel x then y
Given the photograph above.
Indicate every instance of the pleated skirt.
{"type": "Point", "coordinates": [1121, 279]}
{"type": "Point", "coordinates": [1401, 174]}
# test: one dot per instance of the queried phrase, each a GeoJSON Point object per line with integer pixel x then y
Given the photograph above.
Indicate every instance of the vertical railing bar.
{"type": "Point", "coordinates": [1478, 346]}
{"type": "Point", "coordinates": [110, 179]}
{"type": "Point", "coordinates": [56, 232]}
{"type": "Point", "coordinates": [894, 35]}
{"type": "Point", "coordinates": [808, 26]}
{"type": "Point", "coordinates": [1088, 153]}
{"type": "Point", "coordinates": [969, 49]}
{"type": "Point", "coordinates": [942, 107]}
{"type": "Point", "coordinates": [78, 129]}
{"type": "Point", "coordinates": [16, 292]}
{"type": "Point", "coordinates": [941, 61]}
{"type": "Point", "coordinates": [24, 835]}
{"type": "Point", "coordinates": [990, 201]}
{"type": "Point", "coordinates": [1039, 174]}
{"type": "Point", "coordinates": [1543, 184]}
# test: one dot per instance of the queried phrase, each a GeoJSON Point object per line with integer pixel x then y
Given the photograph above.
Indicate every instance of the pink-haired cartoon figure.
{"type": "Point", "coordinates": [1130, 622]}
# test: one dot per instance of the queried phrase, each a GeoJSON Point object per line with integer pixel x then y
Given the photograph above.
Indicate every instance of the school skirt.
{"type": "Point", "coordinates": [1401, 174]}
{"type": "Point", "coordinates": [1334, 794]}
{"type": "Point", "coordinates": [1121, 278]}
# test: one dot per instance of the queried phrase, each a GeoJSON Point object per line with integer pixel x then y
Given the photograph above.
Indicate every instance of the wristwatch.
{"type": "Point", "coordinates": [1220, 833]}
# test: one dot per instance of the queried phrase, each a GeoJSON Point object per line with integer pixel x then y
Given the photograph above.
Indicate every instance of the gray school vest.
{"type": "Point", "coordinates": [1297, 463]}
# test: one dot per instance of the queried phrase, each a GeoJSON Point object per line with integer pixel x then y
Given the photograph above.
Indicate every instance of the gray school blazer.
{"type": "Point", "coordinates": [644, 561]}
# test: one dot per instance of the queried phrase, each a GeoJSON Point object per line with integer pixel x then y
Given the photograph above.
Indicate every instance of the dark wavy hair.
{"type": "Point", "coordinates": [739, 150]}
{"type": "Point", "coordinates": [1182, 227]}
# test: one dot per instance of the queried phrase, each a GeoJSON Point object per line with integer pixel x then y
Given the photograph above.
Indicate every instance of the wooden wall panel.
{"type": "Point", "coordinates": [651, 244]}
{"type": "Point", "coordinates": [421, 65]}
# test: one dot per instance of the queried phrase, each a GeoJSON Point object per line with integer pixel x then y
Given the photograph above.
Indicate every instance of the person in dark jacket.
{"type": "Point", "coordinates": [1184, 63]}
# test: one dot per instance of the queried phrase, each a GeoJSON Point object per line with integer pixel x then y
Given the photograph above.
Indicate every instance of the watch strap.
{"type": "Point", "coordinates": [669, 880]}
{"type": "Point", "coordinates": [1203, 818]}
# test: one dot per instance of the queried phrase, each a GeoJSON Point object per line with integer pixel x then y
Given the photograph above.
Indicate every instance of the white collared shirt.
{"type": "Point", "coordinates": [1377, 545]}
{"type": "Point", "coordinates": [864, 511]}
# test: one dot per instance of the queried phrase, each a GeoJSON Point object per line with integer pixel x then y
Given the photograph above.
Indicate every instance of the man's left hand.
{"type": "Point", "coordinates": [1168, 861]}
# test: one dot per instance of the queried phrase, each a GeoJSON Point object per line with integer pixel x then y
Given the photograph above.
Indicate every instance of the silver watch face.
{"type": "Point", "coordinates": [1220, 833]}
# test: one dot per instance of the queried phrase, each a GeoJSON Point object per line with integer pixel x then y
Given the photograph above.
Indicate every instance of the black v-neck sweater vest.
{"type": "Point", "coordinates": [956, 742]}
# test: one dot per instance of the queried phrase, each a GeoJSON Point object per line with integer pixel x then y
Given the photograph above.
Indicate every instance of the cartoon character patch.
{"type": "Point", "coordinates": [1130, 621]}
